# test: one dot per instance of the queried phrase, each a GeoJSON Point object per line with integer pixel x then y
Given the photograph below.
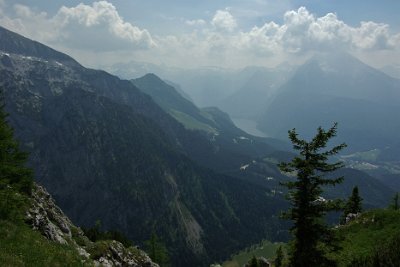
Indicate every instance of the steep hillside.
{"type": "Point", "coordinates": [370, 240]}
{"type": "Point", "coordinates": [216, 124]}
{"type": "Point", "coordinates": [174, 103]}
{"type": "Point", "coordinates": [39, 234]}
{"type": "Point", "coordinates": [35, 232]}
{"type": "Point", "coordinates": [107, 152]}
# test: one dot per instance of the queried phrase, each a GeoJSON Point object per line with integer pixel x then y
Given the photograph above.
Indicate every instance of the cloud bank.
{"type": "Point", "coordinates": [219, 40]}
{"type": "Point", "coordinates": [96, 27]}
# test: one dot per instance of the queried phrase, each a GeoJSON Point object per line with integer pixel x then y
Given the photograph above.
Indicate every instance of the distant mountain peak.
{"type": "Point", "coordinates": [335, 59]}
{"type": "Point", "coordinates": [153, 77]}
{"type": "Point", "coordinates": [339, 64]}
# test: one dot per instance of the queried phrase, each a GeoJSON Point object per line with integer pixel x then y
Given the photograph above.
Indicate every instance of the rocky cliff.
{"type": "Point", "coordinates": [47, 218]}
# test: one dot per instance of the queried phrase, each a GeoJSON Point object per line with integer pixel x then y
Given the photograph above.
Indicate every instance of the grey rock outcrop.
{"type": "Point", "coordinates": [47, 218]}
{"type": "Point", "coordinates": [351, 216]}
{"type": "Point", "coordinates": [118, 255]}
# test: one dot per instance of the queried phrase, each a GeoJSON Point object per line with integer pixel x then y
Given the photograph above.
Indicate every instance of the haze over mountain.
{"type": "Point", "coordinates": [240, 92]}
{"type": "Point", "coordinates": [250, 100]}
{"type": "Point", "coordinates": [227, 36]}
{"type": "Point", "coordinates": [392, 70]}
{"type": "Point", "coordinates": [337, 87]}
{"type": "Point", "coordinates": [343, 89]}
{"type": "Point", "coordinates": [346, 89]}
{"type": "Point", "coordinates": [107, 152]}
{"type": "Point", "coordinates": [174, 121]}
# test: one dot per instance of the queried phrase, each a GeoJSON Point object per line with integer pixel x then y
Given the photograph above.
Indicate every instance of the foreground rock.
{"type": "Point", "coordinates": [47, 218]}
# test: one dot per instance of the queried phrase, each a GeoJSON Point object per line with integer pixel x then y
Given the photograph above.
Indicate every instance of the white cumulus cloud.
{"type": "Point", "coordinates": [371, 35]}
{"type": "Point", "coordinates": [304, 32]}
{"type": "Point", "coordinates": [221, 42]}
{"type": "Point", "coordinates": [95, 32]}
{"type": "Point", "coordinates": [97, 27]}
{"type": "Point", "coordinates": [223, 20]}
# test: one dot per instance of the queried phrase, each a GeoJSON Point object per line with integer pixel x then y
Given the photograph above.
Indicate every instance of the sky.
{"type": "Point", "coordinates": [192, 33]}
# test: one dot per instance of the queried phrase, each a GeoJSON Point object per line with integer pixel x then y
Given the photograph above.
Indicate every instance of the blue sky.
{"type": "Point", "coordinates": [189, 33]}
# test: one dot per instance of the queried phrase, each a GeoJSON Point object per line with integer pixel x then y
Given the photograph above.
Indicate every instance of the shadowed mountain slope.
{"type": "Point", "coordinates": [107, 152]}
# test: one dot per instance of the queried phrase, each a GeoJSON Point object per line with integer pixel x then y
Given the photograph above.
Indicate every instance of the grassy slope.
{"type": "Point", "coordinates": [358, 239]}
{"type": "Point", "coordinates": [191, 123]}
{"type": "Point", "coordinates": [367, 233]}
{"type": "Point", "coordinates": [266, 249]}
{"type": "Point", "coordinates": [21, 246]}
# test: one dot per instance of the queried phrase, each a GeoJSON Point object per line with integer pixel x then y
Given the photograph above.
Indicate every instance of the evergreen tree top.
{"type": "Point", "coordinates": [312, 237]}
{"type": "Point", "coordinates": [12, 160]}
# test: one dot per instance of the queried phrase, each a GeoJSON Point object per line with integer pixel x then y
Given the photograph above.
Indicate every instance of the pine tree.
{"type": "Point", "coordinates": [253, 262]}
{"type": "Point", "coordinates": [157, 250]}
{"type": "Point", "coordinates": [312, 237]}
{"type": "Point", "coordinates": [395, 202]}
{"type": "Point", "coordinates": [12, 160]}
{"type": "Point", "coordinates": [353, 205]}
{"type": "Point", "coordinates": [15, 178]}
{"type": "Point", "coordinates": [279, 257]}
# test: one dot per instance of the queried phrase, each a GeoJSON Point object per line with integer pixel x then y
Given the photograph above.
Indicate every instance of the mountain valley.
{"type": "Point", "coordinates": [141, 158]}
{"type": "Point", "coordinates": [107, 152]}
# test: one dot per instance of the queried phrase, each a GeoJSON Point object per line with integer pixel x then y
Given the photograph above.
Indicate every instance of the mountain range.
{"type": "Point", "coordinates": [337, 87]}
{"type": "Point", "coordinates": [141, 158]}
{"type": "Point", "coordinates": [106, 151]}
{"type": "Point", "coordinates": [326, 88]}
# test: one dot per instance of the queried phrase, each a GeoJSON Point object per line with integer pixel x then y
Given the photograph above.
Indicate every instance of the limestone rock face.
{"type": "Point", "coordinates": [47, 218]}
{"type": "Point", "coordinates": [118, 255]}
{"type": "Point", "coordinates": [352, 216]}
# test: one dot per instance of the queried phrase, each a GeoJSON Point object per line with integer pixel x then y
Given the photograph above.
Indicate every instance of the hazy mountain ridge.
{"type": "Point", "coordinates": [230, 146]}
{"type": "Point", "coordinates": [337, 88]}
{"type": "Point", "coordinates": [260, 171]}
{"type": "Point", "coordinates": [342, 87]}
{"type": "Point", "coordinates": [257, 91]}
{"type": "Point", "coordinates": [206, 86]}
{"type": "Point", "coordinates": [169, 99]}
{"type": "Point", "coordinates": [392, 70]}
